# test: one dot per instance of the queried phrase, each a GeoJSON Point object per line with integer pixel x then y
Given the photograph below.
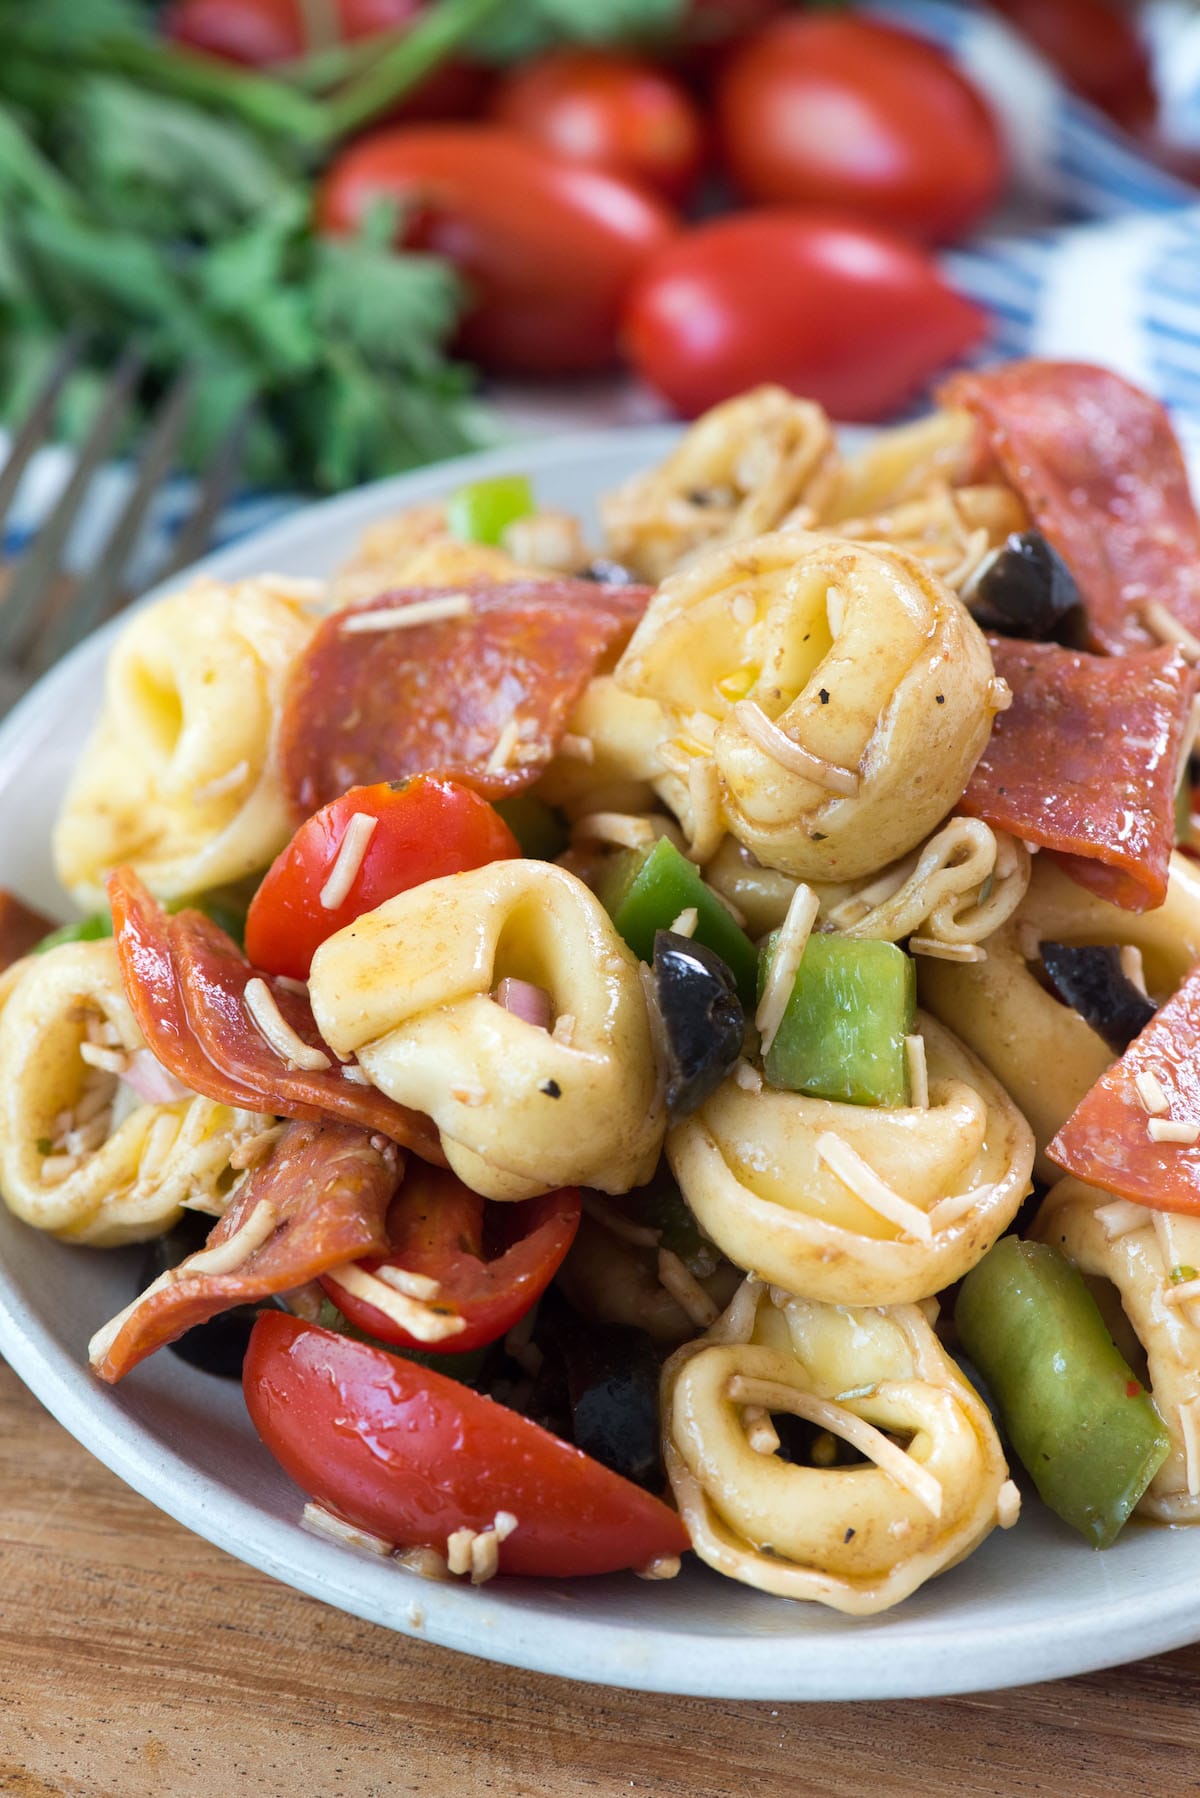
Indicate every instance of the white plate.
{"type": "Point", "coordinates": [1032, 1604]}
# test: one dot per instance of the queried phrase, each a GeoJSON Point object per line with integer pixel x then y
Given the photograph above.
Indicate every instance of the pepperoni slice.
{"type": "Point", "coordinates": [1085, 761]}
{"type": "Point", "coordinates": [1106, 1140]}
{"type": "Point", "coordinates": [329, 1187]}
{"type": "Point", "coordinates": [186, 981]}
{"type": "Point", "coordinates": [1102, 476]}
{"type": "Point", "coordinates": [370, 705]}
{"type": "Point", "coordinates": [20, 928]}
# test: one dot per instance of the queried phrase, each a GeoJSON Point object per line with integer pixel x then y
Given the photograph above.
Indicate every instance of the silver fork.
{"type": "Point", "coordinates": [44, 609]}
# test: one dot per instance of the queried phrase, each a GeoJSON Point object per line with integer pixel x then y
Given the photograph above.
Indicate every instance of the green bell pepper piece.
{"type": "Point", "coordinates": [842, 1035]}
{"type": "Point", "coordinates": [646, 890]}
{"type": "Point", "coordinates": [1086, 1432]}
{"type": "Point", "coordinates": [483, 511]}
{"type": "Point", "coordinates": [83, 930]}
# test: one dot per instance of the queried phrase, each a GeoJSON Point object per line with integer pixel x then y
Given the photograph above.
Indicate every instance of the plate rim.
{"type": "Point", "coordinates": [783, 1667]}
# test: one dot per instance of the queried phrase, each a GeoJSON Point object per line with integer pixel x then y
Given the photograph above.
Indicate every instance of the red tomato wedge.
{"type": "Point", "coordinates": [412, 1456]}
{"type": "Point", "coordinates": [1106, 1140]}
{"type": "Point", "coordinates": [370, 705]}
{"type": "Point", "coordinates": [1102, 475]}
{"type": "Point", "coordinates": [491, 1262]}
{"type": "Point", "coordinates": [1086, 761]}
{"type": "Point", "coordinates": [420, 829]}
{"type": "Point", "coordinates": [186, 981]}
{"type": "Point", "coordinates": [328, 1187]}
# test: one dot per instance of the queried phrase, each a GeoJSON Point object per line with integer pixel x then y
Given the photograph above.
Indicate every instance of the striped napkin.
{"type": "Point", "coordinates": [1095, 255]}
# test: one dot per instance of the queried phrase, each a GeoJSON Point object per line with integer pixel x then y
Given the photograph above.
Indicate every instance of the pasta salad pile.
{"type": "Point", "coordinates": [685, 1049]}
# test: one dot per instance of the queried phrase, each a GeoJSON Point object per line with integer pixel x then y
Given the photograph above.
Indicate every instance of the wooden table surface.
{"type": "Point", "coordinates": [135, 1659]}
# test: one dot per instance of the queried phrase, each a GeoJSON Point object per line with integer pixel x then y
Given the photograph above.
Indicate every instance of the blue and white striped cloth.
{"type": "Point", "coordinates": [1095, 255]}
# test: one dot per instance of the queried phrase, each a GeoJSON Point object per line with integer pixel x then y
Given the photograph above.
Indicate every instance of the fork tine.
{"type": "Point", "coordinates": [34, 573]}
{"type": "Point", "coordinates": [37, 422]}
{"type": "Point", "coordinates": [222, 471]}
{"type": "Point", "coordinates": [89, 601]}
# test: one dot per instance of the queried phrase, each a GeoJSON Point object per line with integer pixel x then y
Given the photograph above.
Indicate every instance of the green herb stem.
{"type": "Point", "coordinates": [436, 34]}
{"type": "Point", "coordinates": [258, 100]}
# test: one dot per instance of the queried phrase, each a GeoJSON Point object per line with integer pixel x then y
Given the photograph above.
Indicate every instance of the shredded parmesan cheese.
{"type": "Point", "coordinates": [1008, 1505]}
{"type": "Point", "coordinates": [506, 744]}
{"type": "Point", "coordinates": [355, 1075]}
{"type": "Point", "coordinates": [426, 1563]}
{"type": "Point", "coordinates": [229, 782]}
{"type": "Point", "coordinates": [403, 618]}
{"type": "Point", "coordinates": [835, 608]}
{"type": "Point", "coordinates": [112, 1061]}
{"type": "Point", "coordinates": [748, 1077]}
{"type": "Point", "coordinates": [316, 1517]}
{"type": "Point", "coordinates": [928, 945]}
{"type": "Point", "coordinates": [253, 1149]}
{"type": "Point", "coordinates": [1184, 1294]}
{"type": "Point", "coordinates": [1132, 966]}
{"type": "Point", "coordinates": [640, 1236]}
{"type": "Point", "coordinates": [259, 1002]}
{"type": "Point", "coordinates": [886, 1454]}
{"type": "Point", "coordinates": [661, 1567]}
{"type": "Point", "coordinates": [744, 609]}
{"type": "Point", "coordinates": [708, 822]}
{"type": "Point", "coordinates": [1000, 693]}
{"type": "Point", "coordinates": [1187, 1426]}
{"type": "Point", "coordinates": [761, 1433]}
{"type": "Point", "coordinates": [624, 828]}
{"type": "Point", "coordinates": [564, 1029]}
{"type": "Point", "coordinates": [344, 871]}
{"type": "Point", "coordinates": [1166, 1130]}
{"type": "Point", "coordinates": [1122, 1216]}
{"type": "Point", "coordinates": [785, 963]}
{"type": "Point", "coordinates": [918, 1072]}
{"type": "Point", "coordinates": [948, 1211]}
{"type": "Point", "coordinates": [1150, 1092]}
{"type": "Point", "coordinates": [477, 1552]}
{"type": "Point", "coordinates": [576, 748]}
{"type": "Point", "coordinates": [412, 1314]}
{"type": "Point", "coordinates": [414, 1286]}
{"type": "Point", "coordinates": [792, 755]}
{"type": "Point", "coordinates": [1164, 625]}
{"type": "Point", "coordinates": [685, 924]}
{"type": "Point", "coordinates": [686, 1290]}
{"type": "Point", "coordinates": [850, 1168]}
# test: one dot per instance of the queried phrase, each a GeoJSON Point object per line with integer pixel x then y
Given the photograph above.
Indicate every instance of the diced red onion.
{"type": "Point", "coordinates": [524, 1000]}
{"type": "Point", "coordinates": [152, 1082]}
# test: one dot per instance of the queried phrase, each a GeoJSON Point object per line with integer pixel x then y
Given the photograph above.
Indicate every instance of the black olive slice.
{"type": "Point", "coordinates": [218, 1346]}
{"type": "Point", "coordinates": [1025, 589]}
{"type": "Point", "coordinates": [1090, 978]}
{"type": "Point", "coordinates": [703, 1024]}
{"type": "Point", "coordinates": [612, 1374]}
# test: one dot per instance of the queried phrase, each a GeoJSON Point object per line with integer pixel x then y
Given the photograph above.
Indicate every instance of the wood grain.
{"type": "Point", "coordinates": [136, 1660]}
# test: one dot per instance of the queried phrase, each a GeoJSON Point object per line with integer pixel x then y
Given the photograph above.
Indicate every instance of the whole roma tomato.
{"type": "Point", "coordinates": [262, 33]}
{"type": "Point", "coordinates": [412, 1456]}
{"type": "Point", "coordinates": [843, 312]}
{"type": "Point", "coordinates": [1095, 46]}
{"type": "Point", "coordinates": [850, 113]}
{"type": "Point", "coordinates": [549, 249]}
{"type": "Point", "coordinates": [609, 111]}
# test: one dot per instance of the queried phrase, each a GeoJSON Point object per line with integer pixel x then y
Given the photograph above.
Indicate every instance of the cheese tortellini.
{"type": "Point", "coordinates": [180, 778]}
{"type": "Point", "coordinates": [842, 693]}
{"type": "Point", "coordinates": [769, 1179]}
{"type": "Point", "coordinates": [1141, 1265]}
{"type": "Point", "coordinates": [856, 1538]}
{"type": "Point", "coordinates": [81, 1155]}
{"type": "Point", "coordinates": [521, 1109]}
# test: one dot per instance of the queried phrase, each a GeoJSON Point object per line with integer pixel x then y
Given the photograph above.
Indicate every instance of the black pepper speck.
{"type": "Point", "coordinates": [551, 1089]}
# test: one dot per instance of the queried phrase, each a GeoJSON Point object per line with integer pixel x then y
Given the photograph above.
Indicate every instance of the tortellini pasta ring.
{"type": "Point", "coordinates": [856, 1538]}
{"type": "Point", "coordinates": [843, 693]}
{"type": "Point", "coordinates": [521, 1109]}
{"type": "Point", "coordinates": [758, 1171]}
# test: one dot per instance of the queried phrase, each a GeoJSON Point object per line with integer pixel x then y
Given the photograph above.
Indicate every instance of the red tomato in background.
{"type": "Point", "coordinates": [849, 113]}
{"type": "Point", "coordinates": [261, 33]}
{"type": "Point", "coordinates": [492, 1262]}
{"type": "Point", "coordinates": [844, 313]}
{"type": "Point", "coordinates": [608, 111]}
{"type": "Point", "coordinates": [425, 828]}
{"type": "Point", "coordinates": [412, 1456]}
{"type": "Point", "coordinates": [548, 248]}
{"type": "Point", "coordinates": [1095, 46]}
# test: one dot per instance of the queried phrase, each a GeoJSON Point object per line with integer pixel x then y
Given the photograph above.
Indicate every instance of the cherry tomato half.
{"type": "Point", "coordinates": [261, 33]}
{"type": "Point", "coordinates": [548, 248]}
{"type": "Point", "coordinates": [425, 827]}
{"type": "Point", "coordinates": [491, 1262]}
{"type": "Point", "coordinates": [1094, 45]}
{"type": "Point", "coordinates": [842, 312]}
{"type": "Point", "coordinates": [609, 111]}
{"type": "Point", "coordinates": [847, 112]}
{"type": "Point", "coordinates": [412, 1456]}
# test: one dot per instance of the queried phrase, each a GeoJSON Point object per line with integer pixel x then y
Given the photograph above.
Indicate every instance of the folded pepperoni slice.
{"type": "Point", "coordinates": [20, 928]}
{"type": "Point", "coordinates": [187, 983]}
{"type": "Point", "coordinates": [1102, 475]}
{"type": "Point", "coordinates": [320, 1199]}
{"type": "Point", "coordinates": [1086, 761]}
{"type": "Point", "coordinates": [1111, 1138]}
{"type": "Point", "coordinates": [488, 685]}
